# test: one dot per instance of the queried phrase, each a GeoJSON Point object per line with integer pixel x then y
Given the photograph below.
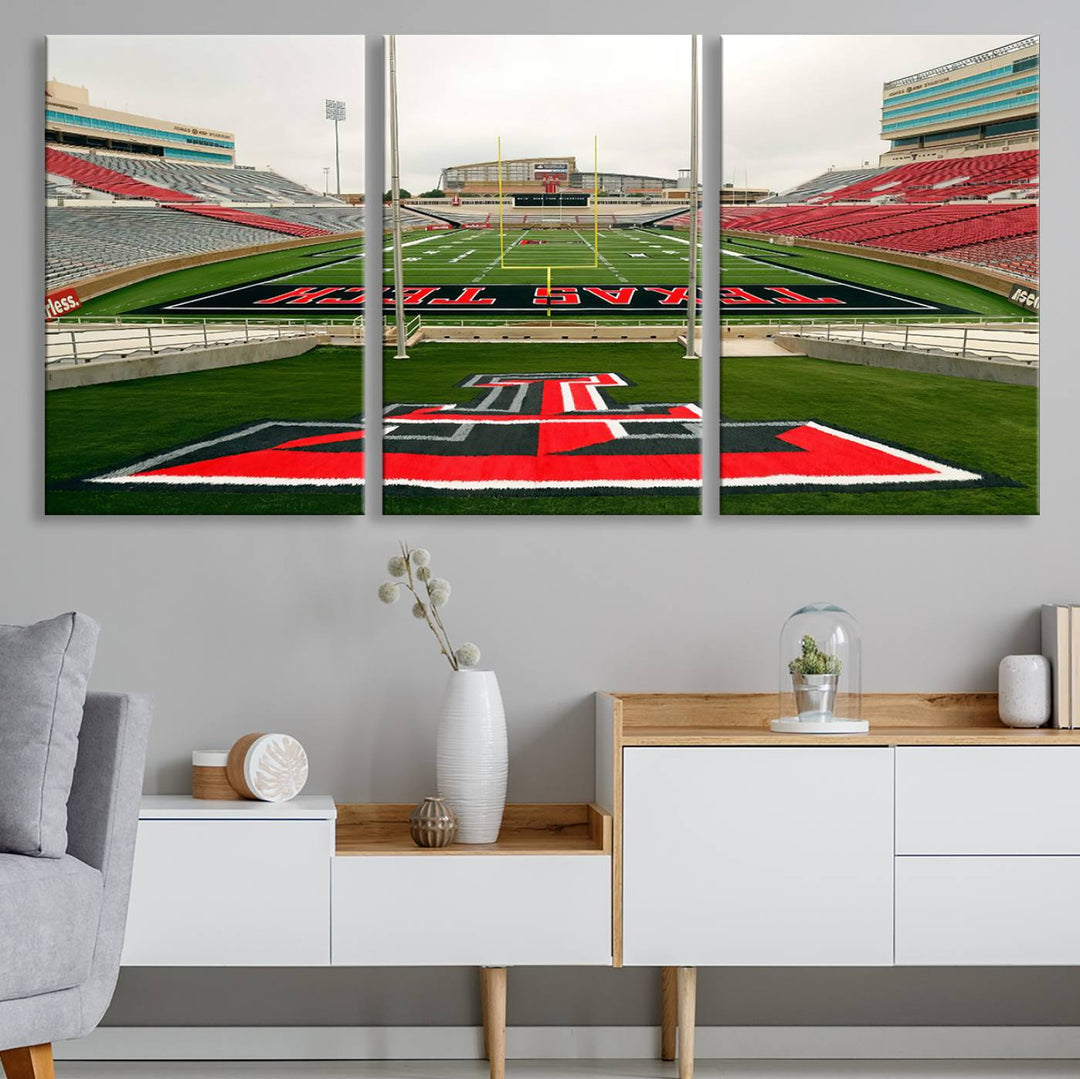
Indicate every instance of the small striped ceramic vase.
{"type": "Point", "coordinates": [432, 823]}
{"type": "Point", "coordinates": [470, 755]}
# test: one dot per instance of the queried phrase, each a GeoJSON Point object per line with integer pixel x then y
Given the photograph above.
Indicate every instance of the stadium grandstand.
{"type": "Point", "coordinates": [86, 241]}
{"type": "Point", "coordinates": [486, 215]}
{"type": "Point", "coordinates": [527, 175]}
{"type": "Point", "coordinates": [122, 190]}
{"type": "Point", "coordinates": [70, 120]}
{"type": "Point", "coordinates": [958, 182]}
{"type": "Point", "coordinates": [1005, 238]}
{"type": "Point", "coordinates": [983, 104]}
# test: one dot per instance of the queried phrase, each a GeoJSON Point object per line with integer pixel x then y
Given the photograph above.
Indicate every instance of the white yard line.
{"type": "Point", "coordinates": [498, 258]}
{"type": "Point", "coordinates": [607, 262]}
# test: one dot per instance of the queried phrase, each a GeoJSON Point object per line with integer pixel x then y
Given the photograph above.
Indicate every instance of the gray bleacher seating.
{"type": "Point", "coordinates": [212, 183]}
{"type": "Point", "coordinates": [81, 241]}
{"type": "Point", "coordinates": [819, 185]}
{"type": "Point", "coordinates": [331, 218]}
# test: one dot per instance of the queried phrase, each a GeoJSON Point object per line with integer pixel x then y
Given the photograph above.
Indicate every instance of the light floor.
{"type": "Point", "coordinates": [575, 1069]}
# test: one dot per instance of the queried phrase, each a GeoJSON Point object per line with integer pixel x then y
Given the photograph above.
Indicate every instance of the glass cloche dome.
{"type": "Point", "coordinates": [820, 673]}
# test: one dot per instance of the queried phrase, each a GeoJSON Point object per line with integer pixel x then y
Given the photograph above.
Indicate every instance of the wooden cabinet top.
{"type": "Point", "coordinates": [576, 828]}
{"type": "Point", "coordinates": [896, 719]}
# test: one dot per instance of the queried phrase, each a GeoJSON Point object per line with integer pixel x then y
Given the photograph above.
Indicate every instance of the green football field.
{"type": "Point", "coordinates": [309, 264]}
{"type": "Point", "coordinates": [757, 263]}
{"type": "Point", "coordinates": [94, 430]}
{"type": "Point", "coordinates": [230, 290]}
{"type": "Point", "coordinates": [985, 427]}
{"type": "Point", "coordinates": [460, 256]}
{"type": "Point", "coordinates": [521, 256]}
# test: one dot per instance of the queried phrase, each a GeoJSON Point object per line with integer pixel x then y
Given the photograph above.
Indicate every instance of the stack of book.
{"type": "Point", "coordinates": [1061, 645]}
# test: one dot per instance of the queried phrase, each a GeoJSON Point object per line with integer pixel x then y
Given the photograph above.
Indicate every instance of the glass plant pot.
{"type": "Point", "coordinates": [820, 673]}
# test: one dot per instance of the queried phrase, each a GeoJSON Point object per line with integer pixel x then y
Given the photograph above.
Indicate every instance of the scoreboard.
{"type": "Point", "coordinates": [554, 170]}
{"type": "Point", "coordinates": [579, 200]}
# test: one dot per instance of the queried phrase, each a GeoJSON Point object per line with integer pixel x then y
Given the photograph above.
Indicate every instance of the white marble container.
{"type": "Point", "coordinates": [1024, 691]}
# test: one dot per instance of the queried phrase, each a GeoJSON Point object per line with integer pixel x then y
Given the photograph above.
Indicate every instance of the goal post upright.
{"type": "Point", "coordinates": [498, 172]}
{"type": "Point", "coordinates": [596, 203]}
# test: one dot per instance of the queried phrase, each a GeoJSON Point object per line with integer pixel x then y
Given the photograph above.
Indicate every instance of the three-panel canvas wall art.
{"type": "Point", "coordinates": [549, 297]}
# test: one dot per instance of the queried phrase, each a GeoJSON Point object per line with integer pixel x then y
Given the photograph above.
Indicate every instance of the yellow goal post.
{"type": "Point", "coordinates": [548, 267]}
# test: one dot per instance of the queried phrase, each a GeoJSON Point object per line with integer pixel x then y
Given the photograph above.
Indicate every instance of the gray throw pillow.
{"type": "Point", "coordinates": [44, 669]}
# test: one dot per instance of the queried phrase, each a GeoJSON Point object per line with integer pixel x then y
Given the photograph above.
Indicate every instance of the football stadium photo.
{"type": "Point", "coordinates": [880, 276]}
{"type": "Point", "coordinates": [540, 285]}
{"type": "Point", "coordinates": [194, 363]}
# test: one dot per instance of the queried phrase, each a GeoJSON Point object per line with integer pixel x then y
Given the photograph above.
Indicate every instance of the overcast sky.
{"type": "Point", "coordinates": [793, 106]}
{"type": "Point", "coordinates": [269, 90]}
{"type": "Point", "coordinates": [545, 95]}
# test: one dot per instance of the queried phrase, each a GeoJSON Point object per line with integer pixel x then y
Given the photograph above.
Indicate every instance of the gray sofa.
{"type": "Point", "coordinates": [63, 918]}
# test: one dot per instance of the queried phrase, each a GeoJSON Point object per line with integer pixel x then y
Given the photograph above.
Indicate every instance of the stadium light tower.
{"type": "Point", "coordinates": [326, 179]}
{"type": "Point", "coordinates": [691, 294]}
{"type": "Point", "coordinates": [335, 110]}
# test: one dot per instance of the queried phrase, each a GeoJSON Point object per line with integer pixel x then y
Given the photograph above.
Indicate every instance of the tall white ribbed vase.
{"type": "Point", "coordinates": [470, 754]}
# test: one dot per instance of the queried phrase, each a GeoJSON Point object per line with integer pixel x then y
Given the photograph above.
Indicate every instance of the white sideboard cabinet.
{"type": "Point", "coordinates": [988, 847]}
{"type": "Point", "coordinates": [540, 896]}
{"type": "Point", "coordinates": [309, 883]}
{"type": "Point", "coordinates": [754, 856]}
{"type": "Point", "coordinates": [940, 838]}
{"type": "Point", "coordinates": [219, 884]}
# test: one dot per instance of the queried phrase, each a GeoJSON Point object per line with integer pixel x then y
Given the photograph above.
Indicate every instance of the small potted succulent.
{"type": "Point", "coordinates": [471, 746]}
{"type": "Point", "coordinates": [814, 677]}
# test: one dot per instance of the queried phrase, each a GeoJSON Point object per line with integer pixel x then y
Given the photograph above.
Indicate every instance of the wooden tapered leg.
{"type": "Point", "coordinates": [669, 1014]}
{"type": "Point", "coordinates": [33, 1062]}
{"type": "Point", "coordinates": [484, 1011]}
{"type": "Point", "coordinates": [687, 982]}
{"type": "Point", "coordinates": [493, 994]}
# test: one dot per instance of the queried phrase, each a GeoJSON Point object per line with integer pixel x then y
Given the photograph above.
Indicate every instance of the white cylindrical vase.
{"type": "Point", "coordinates": [470, 754]}
{"type": "Point", "coordinates": [1024, 691]}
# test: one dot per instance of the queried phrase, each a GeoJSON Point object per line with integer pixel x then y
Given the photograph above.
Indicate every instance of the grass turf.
{"type": "Point", "coordinates": [90, 429]}
{"type": "Point", "coordinates": [742, 265]}
{"type": "Point", "coordinates": [472, 256]}
{"type": "Point", "coordinates": [659, 373]}
{"type": "Point", "coordinates": [463, 256]}
{"type": "Point", "coordinates": [182, 284]}
{"type": "Point", "coordinates": [982, 426]}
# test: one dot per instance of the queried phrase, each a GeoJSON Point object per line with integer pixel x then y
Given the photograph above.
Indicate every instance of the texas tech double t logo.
{"type": "Point", "coordinates": [546, 431]}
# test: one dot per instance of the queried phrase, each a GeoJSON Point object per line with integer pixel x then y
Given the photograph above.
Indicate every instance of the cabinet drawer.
{"type": "Point", "coordinates": [472, 910]}
{"type": "Point", "coordinates": [988, 800]}
{"type": "Point", "coordinates": [221, 893]}
{"type": "Point", "coordinates": [981, 911]}
{"type": "Point", "coordinates": [757, 856]}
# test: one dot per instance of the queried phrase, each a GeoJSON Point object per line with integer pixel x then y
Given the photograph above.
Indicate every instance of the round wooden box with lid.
{"type": "Point", "coordinates": [209, 778]}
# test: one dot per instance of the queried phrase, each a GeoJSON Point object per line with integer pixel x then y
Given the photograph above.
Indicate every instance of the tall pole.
{"type": "Point", "coordinates": [337, 157]}
{"type": "Point", "coordinates": [335, 110]}
{"type": "Point", "coordinates": [402, 352]}
{"type": "Point", "coordinates": [691, 292]}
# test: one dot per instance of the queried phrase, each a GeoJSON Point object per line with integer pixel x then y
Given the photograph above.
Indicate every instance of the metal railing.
{"type": "Point", "coordinates": [117, 340]}
{"type": "Point", "coordinates": [735, 322]}
{"type": "Point", "coordinates": [533, 320]}
{"type": "Point", "coordinates": [986, 341]}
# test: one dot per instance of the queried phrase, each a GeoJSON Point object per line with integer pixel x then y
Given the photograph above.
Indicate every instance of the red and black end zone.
{"type": "Point", "coordinates": [808, 455]}
{"type": "Point", "coordinates": [268, 453]}
{"type": "Point", "coordinates": [292, 299]}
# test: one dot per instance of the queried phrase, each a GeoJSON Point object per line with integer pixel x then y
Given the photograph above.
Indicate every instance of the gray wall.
{"type": "Point", "coordinates": [241, 624]}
